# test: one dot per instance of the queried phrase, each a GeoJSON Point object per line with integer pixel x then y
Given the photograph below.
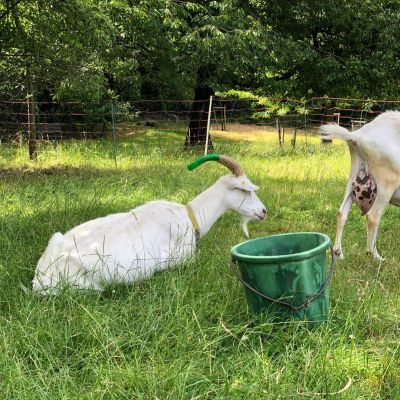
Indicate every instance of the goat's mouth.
{"type": "Point", "coordinates": [260, 217]}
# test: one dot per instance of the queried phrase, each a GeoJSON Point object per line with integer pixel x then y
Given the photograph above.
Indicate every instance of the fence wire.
{"type": "Point", "coordinates": [165, 123]}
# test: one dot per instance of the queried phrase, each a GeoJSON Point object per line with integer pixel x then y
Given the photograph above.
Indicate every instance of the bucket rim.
{"type": "Point", "coordinates": [281, 258]}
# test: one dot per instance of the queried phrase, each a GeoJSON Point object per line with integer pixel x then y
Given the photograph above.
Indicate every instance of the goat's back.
{"type": "Point", "coordinates": [118, 247]}
{"type": "Point", "coordinates": [385, 124]}
{"type": "Point", "coordinates": [378, 145]}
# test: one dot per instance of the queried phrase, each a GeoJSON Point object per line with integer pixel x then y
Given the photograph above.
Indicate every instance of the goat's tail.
{"type": "Point", "coordinates": [334, 131]}
{"type": "Point", "coordinates": [43, 268]}
{"type": "Point", "coordinates": [51, 251]}
{"type": "Point", "coordinates": [55, 241]}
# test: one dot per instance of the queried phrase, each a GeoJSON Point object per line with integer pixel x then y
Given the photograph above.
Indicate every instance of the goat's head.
{"type": "Point", "coordinates": [240, 193]}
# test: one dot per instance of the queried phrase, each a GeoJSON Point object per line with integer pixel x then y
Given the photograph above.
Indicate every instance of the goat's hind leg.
{"type": "Point", "coordinates": [374, 216]}
{"type": "Point", "coordinates": [344, 209]}
{"type": "Point", "coordinates": [341, 220]}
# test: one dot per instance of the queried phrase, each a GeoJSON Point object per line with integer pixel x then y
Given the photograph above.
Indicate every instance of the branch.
{"type": "Point", "coordinates": [286, 75]}
{"type": "Point", "coordinates": [340, 59]}
{"type": "Point", "coordinates": [17, 56]}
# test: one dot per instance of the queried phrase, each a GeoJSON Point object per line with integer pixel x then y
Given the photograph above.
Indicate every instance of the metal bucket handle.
{"type": "Point", "coordinates": [284, 303]}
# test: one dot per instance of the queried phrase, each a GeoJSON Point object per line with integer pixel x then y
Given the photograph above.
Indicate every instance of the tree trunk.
{"type": "Point", "coordinates": [197, 131]}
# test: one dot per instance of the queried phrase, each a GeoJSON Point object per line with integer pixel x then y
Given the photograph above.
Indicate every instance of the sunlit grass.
{"type": "Point", "coordinates": [186, 333]}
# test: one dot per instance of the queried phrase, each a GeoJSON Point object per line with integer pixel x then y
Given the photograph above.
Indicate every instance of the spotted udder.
{"type": "Point", "coordinates": [364, 191]}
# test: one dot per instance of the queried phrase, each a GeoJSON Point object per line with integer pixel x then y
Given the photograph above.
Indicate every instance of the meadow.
{"type": "Point", "coordinates": [186, 333]}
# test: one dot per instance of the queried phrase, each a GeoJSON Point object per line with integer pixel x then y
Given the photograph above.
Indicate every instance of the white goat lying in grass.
{"type": "Point", "coordinates": [374, 180]}
{"type": "Point", "coordinates": [130, 246]}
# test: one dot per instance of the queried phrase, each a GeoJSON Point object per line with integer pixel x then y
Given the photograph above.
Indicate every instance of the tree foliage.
{"type": "Point", "coordinates": [59, 45]}
{"type": "Point", "coordinates": [131, 49]}
{"type": "Point", "coordinates": [336, 48]}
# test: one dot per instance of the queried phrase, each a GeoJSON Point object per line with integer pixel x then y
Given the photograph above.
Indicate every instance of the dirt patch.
{"type": "Point", "coordinates": [129, 129]}
{"type": "Point", "coordinates": [249, 129]}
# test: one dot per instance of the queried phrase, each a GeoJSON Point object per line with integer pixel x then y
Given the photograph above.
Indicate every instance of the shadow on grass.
{"type": "Point", "coordinates": [68, 171]}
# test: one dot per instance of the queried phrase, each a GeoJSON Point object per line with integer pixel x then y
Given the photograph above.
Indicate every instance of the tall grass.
{"type": "Point", "coordinates": [186, 333]}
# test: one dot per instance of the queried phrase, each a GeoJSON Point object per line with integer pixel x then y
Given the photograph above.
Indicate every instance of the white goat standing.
{"type": "Point", "coordinates": [374, 179]}
{"type": "Point", "coordinates": [131, 246]}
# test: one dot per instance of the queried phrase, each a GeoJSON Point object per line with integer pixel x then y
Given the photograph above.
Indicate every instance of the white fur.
{"type": "Point", "coordinates": [376, 146]}
{"type": "Point", "coordinates": [131, 246]}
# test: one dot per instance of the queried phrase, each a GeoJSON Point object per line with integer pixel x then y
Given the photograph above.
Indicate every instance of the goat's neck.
{"type": "Point", "coordinates": [208, 206]}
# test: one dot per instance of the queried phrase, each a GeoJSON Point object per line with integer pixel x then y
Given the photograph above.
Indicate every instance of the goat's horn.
{"type": "Point", "coordinates": [232, 165]}
{"type": "Point", "coordinates": [224, 160]}
{"type": "Point", "coordinates": [201, 160]}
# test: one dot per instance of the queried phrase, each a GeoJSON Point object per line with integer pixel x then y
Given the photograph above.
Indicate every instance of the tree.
{"type": "Point", "coordinates": [55, 45]}
{"type": "Point", "coordinates": [346, 48]}
{"type": "Point", "coordinates": [166, 49]}
{"type": "Point", "coordinates": [49, 47]}
{"type": "Point", "coordinates": [219, 48]}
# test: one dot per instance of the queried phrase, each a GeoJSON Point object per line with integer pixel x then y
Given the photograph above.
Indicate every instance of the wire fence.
{"type": "Point", "coordinates": [164, 123]}
{"type": "Point", "coordinates": [67, 120]}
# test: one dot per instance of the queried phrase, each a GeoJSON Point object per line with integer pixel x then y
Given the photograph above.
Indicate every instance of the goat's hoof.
{"type": "Point", "coordinates": [338, 253]}
{"type": "Point", "coordinates": [376, 256]}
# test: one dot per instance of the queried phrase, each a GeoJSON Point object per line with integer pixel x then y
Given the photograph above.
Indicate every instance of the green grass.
{"type": "Point", "coordinates": [186, 333]}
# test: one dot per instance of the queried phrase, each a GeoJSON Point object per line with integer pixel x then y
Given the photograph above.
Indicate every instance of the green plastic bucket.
{"type": "Point", "coordinates": [286, 275]}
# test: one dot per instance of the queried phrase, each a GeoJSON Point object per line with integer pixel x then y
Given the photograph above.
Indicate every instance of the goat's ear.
{"type": "Point", "coordinates": [243, 183]}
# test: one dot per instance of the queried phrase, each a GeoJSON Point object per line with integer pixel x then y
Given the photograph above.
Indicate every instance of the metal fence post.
{"type": "Point", "coordinates": [208, 126]}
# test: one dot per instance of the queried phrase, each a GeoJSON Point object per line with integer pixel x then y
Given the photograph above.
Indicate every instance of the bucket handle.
{"type": "Point", "coordinates": [284, 303]}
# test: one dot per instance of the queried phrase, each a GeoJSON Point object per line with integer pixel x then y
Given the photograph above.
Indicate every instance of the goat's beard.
{"type": "Point", "coordinates": [244, 221]}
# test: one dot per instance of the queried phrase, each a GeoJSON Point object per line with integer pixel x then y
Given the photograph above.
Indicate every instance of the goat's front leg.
{"type": "Point", "coordinates": [341, 220]}
{"type": "Point", "coordinates": [374, 216]}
